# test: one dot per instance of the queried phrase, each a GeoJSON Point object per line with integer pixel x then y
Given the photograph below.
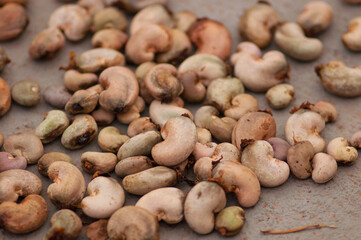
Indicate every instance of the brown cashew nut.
{"type": "Point", "coordinates": [98, 162]}
{"type": "Point", "coordinates": [102, 116]}
{"type": "Point", "coordinates": [13, 21]}
{"type": "Point", "coordinates": [350, 38]}
{"type": "Point", "coordinates": [109, 38]}
{"type": "Point", "coordinates": [140, 72]}
{"type": "Point", "coordinates": [141, 125]}
{"type": "Point", "coordinates": [48, 158]}
{"type": "Point", "coordinates": [24, 217]}
{"type": "Point", "coordinates": [82, 101]}
{"type": "Point", "coordinates": [121, 89]}
{"type": "Point", "coordinates": [17, 183]}
{"type": "Point", "coordinates": [180, 137]}
{"type": "Point", "coordinates": [211, 37]}
{"type": "Point", "coordinates": [64, 224]}
{"type": "Point", "coordinates": [326, 109]}
{"type": "Point", "coordinates": [299, 159]}
{"type": "Point", "coordinates": [241, 104]}
{"type": "Point", "coordinates": [221, 128]}
{"type": "Point", "coordinates": [5, 97]}
{"type": "Point", "coordinates": [146, 42]}
{"type": "Point", "coordinates": [257, 22]}
{"type": "Point", "coordinates": [74, 80]}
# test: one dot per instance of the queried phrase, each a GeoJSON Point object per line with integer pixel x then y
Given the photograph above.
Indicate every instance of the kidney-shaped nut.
{"type": "Point", "coordinates": [126, 117]}
{"type": "Point", "coordinates": [98, 162]}
{"type": "Point", "coordinates": [105, 197]}
{"type": "Point", "coordinates": [97, 59]}
{"type": "Point", "coordinates": [24, 144]}
{"type": "Point", "coordinates": [121, 89]}
{"type": "Point", "coordinates": [183, 20]}
{"type": "Point", "coordinates": [109, 38]}
{"type": "Point", "coordinates": [260, 74]}
{"type": "Point", "coordinates": [324, 168]}
{"type": "Point", "coordinates": [82, 101]}
{"type": "Point", "coordinates": [259, 157]}
{"type": "Point", "coordinates": [221, 128]}
{"type": "Point", "coordinates": [110, 139]}
{"type": "Point", "coordinates": [109, 17]}
{"type": "Point", "coordinates": [339, 148]}
{"type": "Point", "coordinates": [203, 150]}
{"type": "Point", "coordinates": [75, 80]}
{"type": "Point", "coordinates": [4, 59]}
{"type": "Point", "coordinates": [162, 82]}
{"type": "Point", "coordinates": [290, 37]}
{"type": "Point", "coordinates": [141, 125]}
{"type": "Point", "coordinates": [64, 224]}
{"type": "Point", "coordinates": [351, 38]}
{"type": "Point", "coordinates": [102, 116]}
{"type": "Point", "coordinates": [133, 223]}
{"type": "Point", "coordinates": [132, 165]}
{"type": "Point", "coordinates": [205, 115]}
{"type": "Point", "coordinates": [72, 19]}
{"type": "Point", "coordinates": [24, 217]}
{"type": "Point", "coordinates": [48, 158]}
{"type": "Point", "coordinates": [5, 97]}
{"type": "Point", "coordinates": [26, 93]}
{"type": "Point", "coordinates": [152, 14]}
{"type": "Point", "coordinates": [148, 180]}
{"type": "Point", "coordinates": [180, 137]}
{"type": "Point", "coordinates": [7, 162]}
{"type": "Point", "coordinates": [13, 21]}
{"type": "Point", "coordinates": [241, 104]}
{"type": "Point", "coordinates": [47, 43]}
{"type": "Point", "coordinates": [280, 96]}
{"type": "Point", "coordinates": [257, 23]}
{"type": "Point", "coordinates": [81, 131]}
{"type": "Point", "coordinates": [299, 159]}
{"type": "Point", "coordinates": [355, 139]}
{"type": "Point", "coordinates": [204, 199]}
{"type": "Point", "coordinates": [326, 110]}
{"type": "Point", "coordinates": [56, 95]}
{"type": "Point", "coordinates": [315, 17]}
{"type": "Point", "coordinates": [280, 147]}
{"type": "Point", "coordinates": [53, 125]}
{"type": "Point", "coordinates": [196, 72]}
{"type": "Point", "coordinates": [203, 135]}
{"type": "Point", "coordinates": [253, 125]}
{"type": "Point", "coordinates": [146, 42]}
{"type": "Point", "coordinates": [211, 37]}
{"type": "Point", "coordinates": [69, 185]}
{"type": "Point", "coordinates": [221, 91]}
{"type": "Point", "coordinates": [305, 125]}
{"type": "Point", "coordinates": [165, 203]}
{"type": "Point", "coordinates": [230, 221]}
{"type": "Point", "coordinates": [340, 79]}
{"type": "Point", "coordinates": [140, 72]}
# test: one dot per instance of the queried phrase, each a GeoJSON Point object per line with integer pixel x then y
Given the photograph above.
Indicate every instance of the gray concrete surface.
{"type": "Point", "coordinates": [295, 203]}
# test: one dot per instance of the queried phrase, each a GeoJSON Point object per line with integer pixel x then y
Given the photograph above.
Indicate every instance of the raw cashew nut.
{"type": "Point", "coordinates": [109, 38]}
{"type": "Point", "coordinates": [221, 128]}
{"type": "Point", "coordinates": [340, 79]}
{"type": "Point", "coordinates": [204, 116]}
{"type": "Point", "coordinates": [259, 157]}
{"type": "Point", "coordinates": [355, 139]}
{"type": "Point", "coordinates": [109, 17]}
{"type": "Point", "coordinates": [324, 168]}
{"type": "Point", "coordinates": [241, 104]}
{"type": "Point", "coordinates": [280, 96]}
{"type": "Point", "coordinates": [203, 150]}
{"type": "Point", "coordinates": [340, 149]}
{"type": "Point", "coordinates": [54, 124]}
{"type": "Point", "coordinates": [102, 116]}
{"type": "Point", "coordinates": [135, 5]}
{"type": "Point", "coordinates": [13, 21]}
{"type": "Point", "coordinates": [257, 23]}
{"type": "Point", "coordinates": [110, 139]}
{"type": "Point", "coordinates": [75, 80]}
{"type": "Point", "coordinates": [48, 158]}
{"type": "Point", "coordinates": [211, 37]}
{"type": "Point", "coordinates": [133, 112]}
{"type": "Point", "coordinates": [204, 199]}
{"type": "Point", "coordinates": [24, 217]}
{"type": "Point", "coordinates": [180, 137]}
{"type": "Point", "coordinates": [98, 162]}
{"type": "Point", "coordinates": [65, 224]}
{"type": "Point", "coordinates": [105, 197]}
{"type": "Point", "coordinates": [239, 179]}
{"type": "Point", "coordinates": [17, 182]}
{"type": "Point", "coordinates": [132, 165]}
{"type": "Point", "coordinates": [140, 72]}
{"type": "Point", "coordinates": [230, 221]}
{"type": "Point", "coordinates": [351, 38]}
{"type": "Point", "coordinates": [305, 125]}
{"type": "Point", "coordinates": [299, 159]}
{"type": "Point", "coordinates": [280, 147]}
{"type": "Point", "coordinates": [72, 19]}
{"type": "Point", "coordinates": [7, 162]}
{"type": "Point", "coordinates": [47, 43]}
{"type": "Point", "coordinates": [326, 110]}
{"type": "Point", "coordinates": [121, 89]}
{"type": "Point", "coordinates": [141, 125]}
{"type": "Point", "coordinates": [203, 135]}
{"type": "Point", "coordinates": [165, 203]}
{"type": "Point", "coordinates": [69, 185]}
{"type": "Point", "coordinates": [290, 37]}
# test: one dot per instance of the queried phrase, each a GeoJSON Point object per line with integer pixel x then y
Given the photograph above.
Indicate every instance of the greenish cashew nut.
{"type": "Point", "coordinates": [109, 17]}
{"type": "Point", "coordinates": [326, 109]}
{"type": "Point", "coordinates": [339, 148]}
{"type": "Point", "coordinates": [72, 19]}
{"type": "Point", "coordinates": [75, 80]}
{"type": "Point", "coordinates": [305, 125]}
{"type": "Point", "coordinates": [340, 79]}
{"type": "Point", "coordinates": [221, 91]}
{"type": "Point", "coordinates": [290, 37]}
{"type": "Point", "coordinates": [241, 104]}
{"type": "Point", "coordinates": [97, 59]}
{"type": "Point", "coordinates": [259, 157]}
{"type": "Point", "coordinates": [133, 223]}
{"type": "Point", "coordinates": [150, 179]}
{"type": "Point", "coordinates": [165, 203]}
{"type": "Point", "coordinates": [204, 199]}
{"type": "Point", "coordinates": [315, 17]}
{"type": "Point", "coordinates": [355, 139]}
{"type": "Point", "coordinates": [82, 101]}
{"type": "Point", "coordinates": [24, 144]}
{"type": "Point", "coordinates": [132, 165]}
{"type": "Point", "coordinates": [205, 115]}
{"type": "Point", "coordinates": [109, 38]}
{"type": "Point", "coordinates": [65, 224]}
{"type": "Point", "coordinates": [17, 183]}
{"type": "Point", "coordinates": [105, 197]}
{"type": "Point", "coordinates": [299, 159]}
{"type": "Point", "coordinates": [350, 38]}
{"type": "Point", "coordinates": [139, 145]}
{"type": "Point", "coordinates": [80, 132]}
{"type": "Point", "coordinates": [196, 72]}
{"type": "Point", "coordinates": [280, 96]}
{"type": "Point", "coordinates": [230, 221]}
{"type": "Point", "coordinates": [54, 124]}
{"type": "Point", "coordinates": [324, 168]}
{"type": "Point", "coordinates": [48, 158]}
{"type": "Point", "coordinates": [69, 185]}
{"type": "Point", "coordinates": [183, 20]}
{"type": "Point", "coordinates": [98, 162]}
{"type": "Point", "coordinates": [221, 128]}
{"type": "Point", "coordinates": [110, 139]}
{"type": "Point", "coordinates": [152, 14]}
{"type": "Point", "coordinates": [26, 93]}
{"type": "Point", "coordinates": [141, 125]}
{"type": "Point", "coordinates": [257, 22]}
{"type": "Point", "coordinates": [4, 59]}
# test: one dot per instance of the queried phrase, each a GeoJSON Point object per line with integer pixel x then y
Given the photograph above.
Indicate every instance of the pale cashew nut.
{"type": "Point", "coordinates": [64, 224]}
{"type": "Point", "coordinates": [204, 116]}
{"type": "Point", "coordinates": [109, 17]}
{"type": "Point", "coordinates": [184, 20]}
{"type": "Point", "coordinates": [109, 38]}
{"type": "Point", "coordinates": [102, 116]}
{"type": "Point", "coordinates": [110, 139]}
{"type": "Point", "coordinates": [324, 168]}
{"type": "Point", "coordinates": [203, 150]}
{"type": "Point", "coordinates": [351, 38]}
{"type": "Point", "coordinates": [280, 96]}
{"type": "Point", "coordinates": [75, 80]}
{"type": "Point", "coordinates": [339, 148]}
{"type": "Point", "coordinates": [241, 104]}
{"type": "Point", "coordinates": [98, 162]}
{"type": "Point", "coordinates": [355, 139]}
{"type": "Point", "coordinates": [140, 72]}
{"type": "Point", "coordinates": [203, 135]}
{"type": "Point", "coordinates": [299, 159]}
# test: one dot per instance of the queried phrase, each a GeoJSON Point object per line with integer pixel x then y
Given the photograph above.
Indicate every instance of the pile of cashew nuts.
{"type": "Point", "coordinates": [230, 143]}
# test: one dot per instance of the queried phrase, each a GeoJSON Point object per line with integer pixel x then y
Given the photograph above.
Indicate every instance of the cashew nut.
{"type": "Point", "coordinates": [356, 139]}
{"type": "Point", "coordinates": [7, 162]}
{"type": "Point", "coordinates": [203, 150]}
{"type": "Point", "coordinates": [102, 116]}
{"type": "Point", "coordinates": [48, 158]}
{"type": "Point", "coordinates": [326, 110]}
{"type": "Point", "coordinates": [241, 104]}
{"type": "Point", "coordinates": [140, 72]}
{"type": "Point", "coordinates": [230, 221]}
{"type": "Point", "coordinates": [203, 135]}
{"type": "Point", "coordinates": [56, 95]}
{"type": "Point", "coordinates": [132, 165]}
{"type": "Point", "coordinates": [141, 125]}
{"type": "Point", "coordinates": [75, 80]}
{"type": "Point", "coordinates": [47, 43]}
{"type": "Point", "coordinates": [13, 21]}
{"type": "Point", "coordinates": [109, 38]}
{"type": "Point", "coordinates": [64, 224]}
{"type": "Point", "coordinates": [26, 93]}
{"type": "Point", "coordinates": [350, 38]}
{"type": "Point", "coordinates": [280, 147]}
{"type": "Point", "coordinates": [299, 159]}
{"type": "Point", "coordinates": [109, 17]}
{"type": "Point", "coordinates": [324, 167]}
{"type": "Point", "coordinates": [339, 148]}
{"type": "Point", "coordinates": [221, 128]}
{"type": "Point", "coordinates": [204, 116]}
{"type": "Point", "coordinates": [110, 139]}
{"type": "Point", "coordinates": [54, 124]}
{"type": "Point", "coordinates": [98, 162]}
{"type": "Point", "coordinates": [183, 20]}
{"type": "Point", "coordinates": [280, 96]}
